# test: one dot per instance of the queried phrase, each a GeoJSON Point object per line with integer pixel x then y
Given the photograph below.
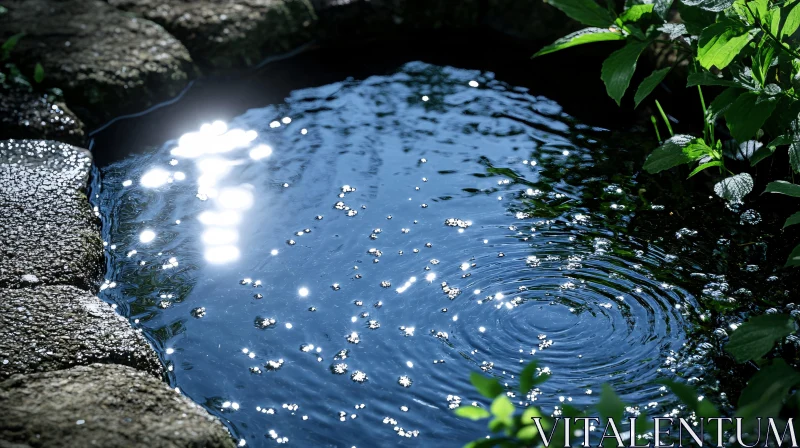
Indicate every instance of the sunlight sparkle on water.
{"type": "Point", "coordinates": [147, 236]}
{"type": "Point", "coordinates": [303, 292]}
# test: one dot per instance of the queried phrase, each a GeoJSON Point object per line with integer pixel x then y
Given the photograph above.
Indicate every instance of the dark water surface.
{"type": "Point", "coordinates": [328, 271]}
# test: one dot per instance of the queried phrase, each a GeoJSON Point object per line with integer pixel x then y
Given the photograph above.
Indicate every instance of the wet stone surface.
{"type": "Point", "coordinates": [57, 327]}
{"type": "Point", "coordinates": [102, 405]}
{"type": "Point", "coordinates": [106, 61]}
{"type": "Point", "coordinates": [48, 232]}
{"type": "Point", "coordinates": [227, 34]}
{"type": "Point", "coordinates": [27, 114]}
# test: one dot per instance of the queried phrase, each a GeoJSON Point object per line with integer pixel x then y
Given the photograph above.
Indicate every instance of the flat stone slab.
{"type": "Point", "coordinates": [230, 34]}
{"type": "Point", "coordinates": [57, 327]}
{"type": "Point", "coordinates": [27, 114]}
{"type": "Point", "coordinates": [103, 406]}
{"type": "Point", "coordinates": [48, 232]}
{"type": "Point", "coordinates": [106, 61]}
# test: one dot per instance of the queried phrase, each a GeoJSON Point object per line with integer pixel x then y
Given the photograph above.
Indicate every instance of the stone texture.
{"type": "Point", "coordinates": [528, 20]}
{"type": "Point", "coordinates": [48, 232]}
{"type": "Point", "coordinates": [28, 114]}
{"type": "Point", "coordinates": [106, 61]}
{"type": "Point", "coordinates": [226, 33]}
{"type": "Point", "coordinates": [57, 327]}
{"type": "Point", "coordinates": [105, 406]}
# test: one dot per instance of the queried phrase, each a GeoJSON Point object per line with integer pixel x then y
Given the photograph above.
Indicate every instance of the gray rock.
{"type": "Point", "coordinates": [102, 405]}
{"type": "Point", "coordinates": [57, 327]}
{"type": "Point", "coordinates": [47, 229]}
{"type": "Point", "coordinates": [229, 34]}
{"type": "Point", "coordinates": [28, 114]}
{"type": "Point", "coordinates": [106, 61]}
{"type": "Point", "coordinates": [529, 20]}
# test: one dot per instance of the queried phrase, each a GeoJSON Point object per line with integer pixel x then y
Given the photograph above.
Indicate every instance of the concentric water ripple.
{"type": "Point", "coordinates": [328, 271]}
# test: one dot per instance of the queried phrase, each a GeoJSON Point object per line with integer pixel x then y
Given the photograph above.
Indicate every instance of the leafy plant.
{"type": "Point", "coordinates": [749, 47]}
{"type": "Point", "coordinates": [10, 72]}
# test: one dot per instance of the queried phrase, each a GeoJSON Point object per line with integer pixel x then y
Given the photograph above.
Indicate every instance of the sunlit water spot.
{"type": "Point", "coordinates": [498, 259]}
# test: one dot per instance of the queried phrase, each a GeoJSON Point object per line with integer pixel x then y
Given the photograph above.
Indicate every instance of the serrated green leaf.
{"type": "Point", "coordinates": [748, 114]}
{"type": "Point", "coordinates": [38, 73]}
{"type": "Point", "coordinates": [488, 387]}
{"type": "Point", "coordinates": [636, 12]}
{"type": "Point", "coordinates": [783, 187]}
{"type": "Point", "coordinates": [794, 258]}
{"type": "Point", "coordinates": [792, 220]}
{"type": "Point", "coordinates": [704, 166]}
{"type": "Point", "coordinates": [708, 79]}
{"type": "Point", "coordinates": [791, 23]}
{"type": "Point", "coordinates": [619, 67]}
{"type": "Point", "coordinates": [670, 154]}
{"type": "Point", "coordinates": [586, 12]}
{"type": "Point", "coordinates": [472, 412]}
{"type": "Point", "coordinates": [721, 42]}
{"type": "Point", "coordinates": [584, 36]}
{"type": "Point", "coordinates": [756, 337]}
{"type": "Point", "coordinates": [734, 188]}
{"type": "Point", "coordinates": [649, 84]}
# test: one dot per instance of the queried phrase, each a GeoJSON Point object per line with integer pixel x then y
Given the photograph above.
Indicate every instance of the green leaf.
{"type": "Point", "coordinates": [662, 8]}
{"type": "Point", "coordinates": [794, 258]}
{"type": "Point", "coordinates": [527, 433]}
{"type": "Point", "coordinates": [708, 79]}
{"type": "Point", "coordinates": [584, 36]}
{"type": "Point", "coordinates": [3, 10]}
{"type": "Point", "coordinates": [721, 42]}
{"type": "Point", "coordinates": [528, 378]}
{"type": "Point", "coordinates": [762, 61]}
{"type": "Point", "coordinates": [721, 103]}
{"type": "Point", "coordinates": [619, 67]}
{"type": "Point", "coordinates": [38, 73]}
{"type": "Point", "coordinates": [670, 154]}
{"type": "Point", "coordinates": [791, 23]}
{"type": "Point", "coordinates": [636, 12]}
{"type": "Point", "coordinates": [472, 412]}
{"type": "Point", "coordinates": [9, 44]}
{"type": "Point", "coordinates": [756, 337]}
{"type": "Point", "coordinates": [610, 406]}
{"type": "Point", "coordinates": [794, 156]}
{"type": "Point", "coordinates": [531, 412]}
{"type": "Point", "coordinates": [734, 188]}
{"type": "Point", "coordinates": [502, 408]}
{"type": "Point", "coordinates": [792, 220]}
{"type": "Point", "coordinates": [704, 167]}
{"type": "Point", "coordinates": [488, 387]}
{"type": "Point", "coordinates": [690, 398]}
{"type": "Point", "coordinates": [748, 114]}
{"type": "Point", "coordinates": [783, 187]}
{"type": "Point", "coordinates": [649, 84]}
{"type": "Point", "coordinates": [709, 5]}
{"type": "Point", "coordinates": [586, 12]}
{"type": "Point", "coordinates": [766, 391]}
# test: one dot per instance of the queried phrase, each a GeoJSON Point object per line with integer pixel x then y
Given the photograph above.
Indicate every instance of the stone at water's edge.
{"type": "Point", "coordinates": [230, 34]}
{"type": "Point", "coordinates": [105, 406]}
{"type": "Point", "coordinates": [106, 61]}
{"type": "Point", "coordinates": [27, 114]}
{"type": "Point", "coordinates": [48, 232]}
{"type": "Point", "coordinates": [57, 327]}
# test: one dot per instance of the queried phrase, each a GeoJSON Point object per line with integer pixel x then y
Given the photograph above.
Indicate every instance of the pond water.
{"type": "Point", "coordinates": [329, 270]}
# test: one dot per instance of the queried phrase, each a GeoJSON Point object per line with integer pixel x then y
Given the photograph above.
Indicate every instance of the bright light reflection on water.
{"type": "Point", "coordinates": [370, 187]}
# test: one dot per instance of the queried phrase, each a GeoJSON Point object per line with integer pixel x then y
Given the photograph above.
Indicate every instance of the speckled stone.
{"type": "Point", "coordinates": [58, 327]}
{"type": "Point", "coordinates": [106, 61]}
{"type": "Point", "coordinates": [28, 114]}
{"type": "Point", "coordinates": [104, 406]}
{"type": "Point", "coordinates": [224, 34]}
{"type": "Point", "coordinates": [48, 232]}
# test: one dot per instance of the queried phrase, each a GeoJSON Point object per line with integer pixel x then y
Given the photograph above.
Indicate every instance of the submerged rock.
{"type": "Point", "coordinates": [47, 228]}
{"type": "Point", "coordinates": [106, 61]}
{"type": "Point", "coordinates": [28, 114]}
{"type": "Point", "coordinates": [57, 327]}
{"type": "Point", "coordinates": [102, 405]}
{"type": "Point", "coordinates": [230, 34]}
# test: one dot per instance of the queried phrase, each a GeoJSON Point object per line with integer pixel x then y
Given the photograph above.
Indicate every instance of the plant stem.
{"type": "Point", "coordinates": [664, 117]}
{"type": "Point", "coordinates": [655, 126]}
